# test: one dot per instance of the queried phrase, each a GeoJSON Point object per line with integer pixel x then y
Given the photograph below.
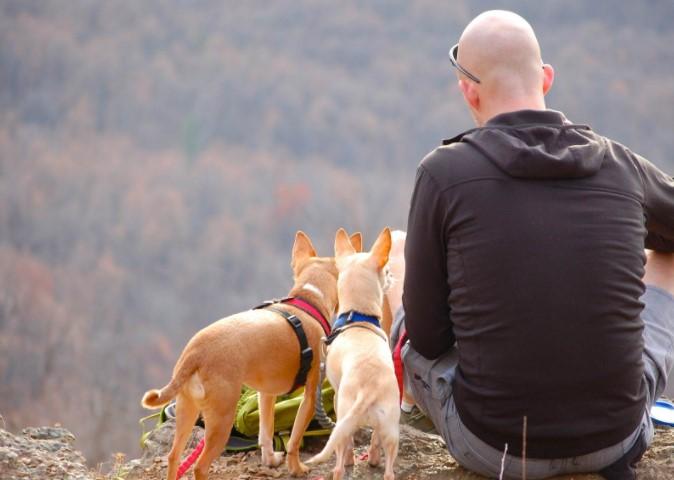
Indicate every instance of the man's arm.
{"type": "Point", "coordinates": [426, 290]}
{"type": "Point", "coordinates": [658, 206]}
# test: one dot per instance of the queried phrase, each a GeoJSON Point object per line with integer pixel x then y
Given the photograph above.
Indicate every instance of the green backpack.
{"type": "Point", "coordinates": [247, 419]}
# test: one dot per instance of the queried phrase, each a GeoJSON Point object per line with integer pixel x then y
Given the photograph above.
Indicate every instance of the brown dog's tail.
{"type": "Point", "coordinates": [158, 398]}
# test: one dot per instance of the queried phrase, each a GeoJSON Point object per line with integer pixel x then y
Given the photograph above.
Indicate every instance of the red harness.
{"type": "Point", "coordinates": [311, 310]}
{"type": "Point", "coordinates": [306, 352]}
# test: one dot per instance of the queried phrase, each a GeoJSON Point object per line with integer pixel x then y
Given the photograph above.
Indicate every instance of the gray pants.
{"type": "Point", "coordinates": [431, 384]}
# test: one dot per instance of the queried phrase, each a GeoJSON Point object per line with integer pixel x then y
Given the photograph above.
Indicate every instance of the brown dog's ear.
{"type": "Point", "coordinates": [343, 244]}
{"type": "Point", "coordinates": [381, 248]}
{"type": "Point", "coordinates": [357, 241]}
{"type": "Point", "coordinates": [302, 249]}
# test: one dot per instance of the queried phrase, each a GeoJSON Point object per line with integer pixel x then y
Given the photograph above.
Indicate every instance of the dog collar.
{"type": "Point", "coordinates": [352, 317]}
{"type": "Point", "coordinates": [353, 320]}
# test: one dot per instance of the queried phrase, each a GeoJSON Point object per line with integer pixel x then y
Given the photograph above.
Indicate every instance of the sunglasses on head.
{"type": "Point", "coordinates": [453, 55]}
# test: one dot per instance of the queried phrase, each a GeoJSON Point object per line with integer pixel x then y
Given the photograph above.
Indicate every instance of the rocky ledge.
{"type": "Point", "coordinates": [48, 453]}
{"type": "Point", "coordinates": [44, 452]}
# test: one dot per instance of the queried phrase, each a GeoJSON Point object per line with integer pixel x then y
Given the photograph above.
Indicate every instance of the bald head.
{"type": "Point", "coordinates": [500, 46]}
{"type": "Point", "coordinates": [501, 49]}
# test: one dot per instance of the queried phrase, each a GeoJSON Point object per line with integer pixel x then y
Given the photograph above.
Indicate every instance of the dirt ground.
{"type": "Point", "coordinates": [49, 453]}
{"type": "Point", "coordinates": [421, 456]}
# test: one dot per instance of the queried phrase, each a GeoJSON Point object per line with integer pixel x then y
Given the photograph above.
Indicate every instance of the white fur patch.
{"type": "Point", "coordinates": [313, 288]}
{"type": "Point", "coordinates": [196, 387]}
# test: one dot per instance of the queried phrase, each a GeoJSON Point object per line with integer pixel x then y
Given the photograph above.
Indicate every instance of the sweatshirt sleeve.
{"type": "Point", "coordinates": [426, 290]}
{"type": "Point", "coordinates": [658, 206]}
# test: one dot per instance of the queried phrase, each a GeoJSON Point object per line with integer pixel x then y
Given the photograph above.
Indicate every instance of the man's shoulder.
{"type": "Point", "coordinates": [455, 160]}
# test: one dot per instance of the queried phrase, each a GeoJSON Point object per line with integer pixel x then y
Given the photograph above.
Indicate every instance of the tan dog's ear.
{"type": "Point", "coordinates": [343, 244]}
{"type": "Point", "coordinates": [302, 249]}
{"type": "Point", "coordinates": [381, 248]}
{"type": "Point", "coordinates": [357, 241]}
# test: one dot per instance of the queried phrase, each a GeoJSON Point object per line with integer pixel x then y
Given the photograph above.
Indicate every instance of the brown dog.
{"type": "Point", "coordinates": [358, 363]}
{"type": "Point", "coordinates": [257, 348]}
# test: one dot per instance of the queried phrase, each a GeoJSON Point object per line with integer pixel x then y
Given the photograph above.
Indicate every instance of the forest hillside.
{"type": "Point", "coordinates": [157, 157]}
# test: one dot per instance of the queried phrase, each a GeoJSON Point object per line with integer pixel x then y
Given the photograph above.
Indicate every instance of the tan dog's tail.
{"type": "Point", "coordinates": [158, 398]}
{"type": "Point", "coordinates": [346, 426]}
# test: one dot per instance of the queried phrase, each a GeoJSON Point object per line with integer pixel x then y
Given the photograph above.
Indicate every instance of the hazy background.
{"type": "Point", "coordinates": [156, 159]}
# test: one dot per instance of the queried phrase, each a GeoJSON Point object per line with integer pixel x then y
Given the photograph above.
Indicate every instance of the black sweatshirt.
{"type": "Point", "coordinates": [525, 246]}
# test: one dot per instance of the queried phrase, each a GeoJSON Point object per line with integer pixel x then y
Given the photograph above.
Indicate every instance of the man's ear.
{"type": "Point", "coordinates": [548, 78]}
{"type": "Point", "coordinates": [381, 248]}
{"type": "Point", "coordinates": [470, 93]}
{"type": "Point", "coordinates": [357, 241]}
{"type": "Point", "coordinates": [302, 249]}
{"type": "Point", "coordinates": [343, 244]}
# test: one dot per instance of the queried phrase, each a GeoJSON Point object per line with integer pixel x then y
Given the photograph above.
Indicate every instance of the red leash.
{"type": "Point", "coordinates": [187, 463]}
{"type": "Point", "coordinates": [398, 361]}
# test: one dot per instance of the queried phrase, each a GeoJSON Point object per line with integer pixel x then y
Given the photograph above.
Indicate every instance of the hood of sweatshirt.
{"type": "Point", "coordinates": [538, 144]}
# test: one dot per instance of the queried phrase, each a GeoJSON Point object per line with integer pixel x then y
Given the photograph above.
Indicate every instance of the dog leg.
{"type": "Point", "coordinates": [374, 453]}
{"type": "Point", "coordinates": [390, 437]}
{"type": "Point", "coordinates": [219, 418]}
{"type": "Point", "coordinates": [341, 452]}
{"type": "Point", "coordinates": [304, 416]}
{"type": "Point", "coordinates": [186, 414]}
{"type": "Point", "coordinates": [349, 459]}
{"type": "Point", "coordinates": [266, 404]}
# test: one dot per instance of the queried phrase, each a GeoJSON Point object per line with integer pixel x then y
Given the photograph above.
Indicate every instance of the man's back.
{"type": "Point", "coordinates": [543, 229]}
{"type": "Point", "coordinates": [525, 246]}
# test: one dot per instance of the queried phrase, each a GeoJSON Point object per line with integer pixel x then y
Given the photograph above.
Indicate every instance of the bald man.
{"type": "Point", "coordinates": [526, 276]}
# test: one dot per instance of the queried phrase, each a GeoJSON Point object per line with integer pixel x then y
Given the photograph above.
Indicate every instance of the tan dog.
{"type": "Point", "coordinates": [356, 240]}
{"type": "Point", "coordinates": [358, 363]}
{"type": "Point", "coordinates": [257, 348]}
{"type": "Point", "coordinates": [393, 296]}
{"type": "Point", "coordinates": [396, 265]}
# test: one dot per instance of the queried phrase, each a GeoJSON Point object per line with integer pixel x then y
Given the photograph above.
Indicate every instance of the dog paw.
{"type": "Point", "coordinates": [337, 473]}
{"type": "Point", "coordinates": [274, 459]}
{"type": "Point", "coordinates": [297, 469]}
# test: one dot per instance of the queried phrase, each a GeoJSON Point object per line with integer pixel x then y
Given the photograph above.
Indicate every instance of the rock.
{"type": "Point", "coordinates": [7, 455]}
{"type": "Point", "coordinates": [44, 452]}
{"type": "Point", "coordinates": [158, 442]}
{"type": "Point", "coordinates": [49, 433]}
